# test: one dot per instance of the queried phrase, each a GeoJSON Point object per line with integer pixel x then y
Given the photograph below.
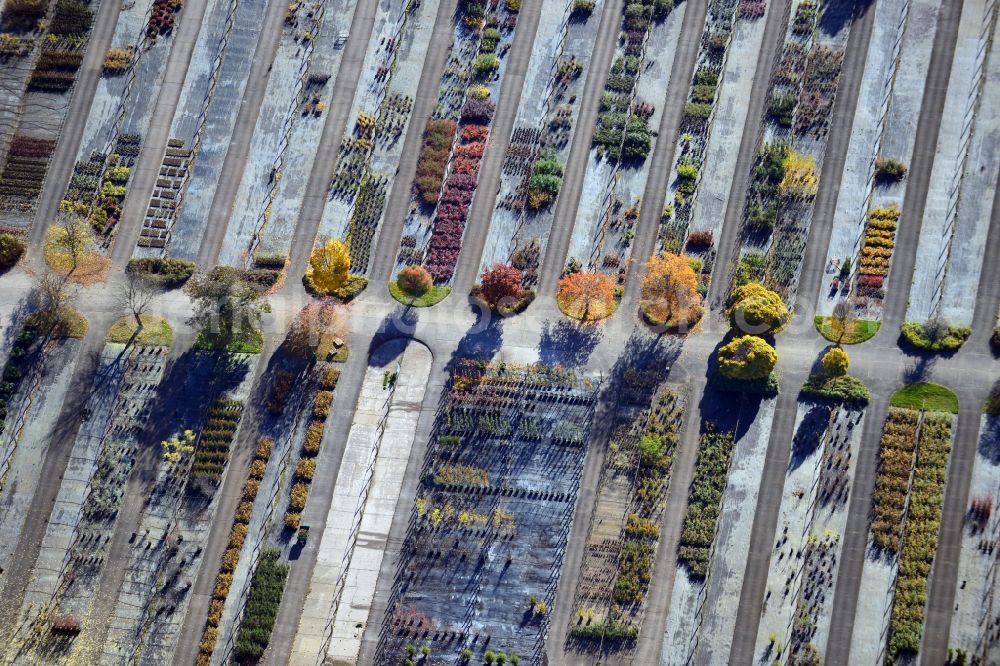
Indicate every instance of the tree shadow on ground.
{"type": "Point", "coordinates": [919, 369]}
{"type": "Point", "coordinates": [400, 323]}
{"type": "Point", "coordinates": [809, 434]}
{"type": "Point", "coordinates": [836, 14]}
{"type": "Point", "coordinates": [731, 411]}
{"type": "Point", "coordinates": [567, 343]}
{"type": "Point", "coordinates": [989, 442]}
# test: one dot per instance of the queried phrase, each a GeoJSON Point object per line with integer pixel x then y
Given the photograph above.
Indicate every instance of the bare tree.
{"type": "Point", "coordinates": [134, 295]}
{"type": "Point", "coordinates": [842, 319]}
{"type": "Point", "coordinates": [52, 297]}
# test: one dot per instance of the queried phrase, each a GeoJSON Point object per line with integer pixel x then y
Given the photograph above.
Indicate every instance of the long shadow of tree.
{"type": "Point", "coordinates": [731, 411]}
{"type": "Point", "coordinates": [808, 435]}
{"type": "Point", "coordinates": [567, 343]}
{"type": "Point", "coordinates": [400, 323]}
{"type": "Point", "coordinates": [838, 13]}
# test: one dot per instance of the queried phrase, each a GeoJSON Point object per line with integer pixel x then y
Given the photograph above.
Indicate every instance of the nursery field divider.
{"type": "Point", "coordinates": [352, 539]}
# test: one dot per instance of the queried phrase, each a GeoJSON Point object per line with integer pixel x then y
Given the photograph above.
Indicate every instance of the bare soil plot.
{"type": "Point", "coordinates": [783, 184]}
{"type": "Point", "coordinates": [77, 539]}
{"type": "Point", "coordinates": [177, 215]}
{"type": "Point", "coordinates": [166, 553]}
{"type": "Point", "coordinates": [625, 526]}
{"type": "Point", "coordinates": [618, 164]}
{"type": "Point", "coordinates": [286, 136]}
{"type": "Point", "coordinates": [712, 554]}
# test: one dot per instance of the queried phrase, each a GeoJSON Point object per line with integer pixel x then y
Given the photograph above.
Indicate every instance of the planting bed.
{"type": "Point", "coordinates": [83, 519]}
{"type": "Point", "coordinates": [165, 557]}
{"type": "Point", "coordinates": [730, 45]}
{"type": "Point", "coordinates": [618, 164]}
{"type": "Point", "coordinates": [974, 624]}
{"type": "Point", "coordinates": [372, 145]}
{"type": "Point", "coordinates": [287, 133]}
{"type": "Point", "coordinates": [42, 105]}
{"type": "Point", "coordinates": [813, 517]}
{"type": "Point", "coordinates": [712, 555]}
{"type": "Point", "coordinates": [783, 184]}
{"type": "Point", "coordinates": [200, 132]}
{"type": "Point", "coordinates": [494, 508]}
{"type": "Point", "coordinates": [544, 126]}
{"type": "Point", "coordinates": [119, 117]}
{"type": "Point", "coordinates": [960, 195]}
{"type": "Point", "coordinates": [455, 139]}
{"type": "Point", "coordinates": [365, 496]}
{"type": "Point", "coordinates": [884, 128]}
{"type": "Point", "coordinates": [909, 491]}
{"type": "Point", "coordinates": [625, 526]}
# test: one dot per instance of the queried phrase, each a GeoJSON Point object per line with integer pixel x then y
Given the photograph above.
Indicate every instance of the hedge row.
{"type": "Point", "coordinates": [262, 608]}
{"type": "Point", "coordinates": [892, 481]}
{"type": "Point", "coordinates": [231, 557]}
{"type": "Point", "coordinates": [306, 467]}
{"type": "Point", "coordinates": [213, 448]}
{"type": "Point", "coordinates": [705, 501]}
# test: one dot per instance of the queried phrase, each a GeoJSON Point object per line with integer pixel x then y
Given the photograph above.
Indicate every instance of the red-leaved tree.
{"type": "Point", "coordinates": [501, 281]}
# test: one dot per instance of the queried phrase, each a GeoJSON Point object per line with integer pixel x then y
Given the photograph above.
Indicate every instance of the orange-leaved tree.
{"type": "Point", "coordinates": [669, 294]}
{"type": "Point", "coordinates": [586, 296]}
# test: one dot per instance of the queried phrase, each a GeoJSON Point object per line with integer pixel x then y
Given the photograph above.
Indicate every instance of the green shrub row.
{"type": "Point", "coordinates": [213, 447]}
{"type": "Point", "coordinates": [932, 337]}
{"type": "Point", "coordinates": [262, 608]}
{"type": "Point", "coordinates": [705, 500]}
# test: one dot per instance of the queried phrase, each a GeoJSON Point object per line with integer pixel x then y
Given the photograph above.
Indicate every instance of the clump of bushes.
{"type": "Point", "coordinates": [116, 60]}
{"type": "Point", "coordinates": [888, 169]}
{"type": "Point", "coordinates": [212, 453]}
{"type": "Point", "coordinates": [843, 388]}
{"type": "Point", "coordinates": [168, 273]}
{"type": "Point", "coordinates": [11, 249]}
{"type": "Point", "coordinates": [935, 335]}
{"type": "Point", "coordinates": [545, 181]}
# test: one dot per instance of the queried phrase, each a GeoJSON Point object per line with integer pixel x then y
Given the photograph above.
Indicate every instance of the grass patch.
{"type": "Point", "coordinates": [860, 330]}
{"type": "Point", "coordinates": [844, 388]}
{"type": "Point", "coordinates": [435, 295]}
{"type": "Point", "coordinates": [247, 342]}
{"type": "Point", "coordinates": [156, 331]}
{"type": "Point", "coordinates": [926, 396]}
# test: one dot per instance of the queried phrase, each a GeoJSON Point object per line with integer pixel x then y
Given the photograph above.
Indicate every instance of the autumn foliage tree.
{"type": "Point", "coordinates": [669, 294]}
{"type": "Point", "coordinates": [501, 282]}
{"type": "Point", "coordinates": [836, 362]}
{"type": "Point", "coordinates": [586, 296]}
{"type": "Point", "coordinates": [748, 358]}
{"type": "Point", "coordinates": [758, 310]}
{"type": "Point", "coordinates": [415, 280]}
{"type": "Point", "coordinates": [329, 267]}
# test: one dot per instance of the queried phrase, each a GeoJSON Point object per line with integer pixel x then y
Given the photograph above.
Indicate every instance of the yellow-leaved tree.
{"type": "Point", "coordinates": [800, 179]}
{"type": "Point", "coordinates": [329, 267]}
{"type": "Point", "coordinates": [670, 291]}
